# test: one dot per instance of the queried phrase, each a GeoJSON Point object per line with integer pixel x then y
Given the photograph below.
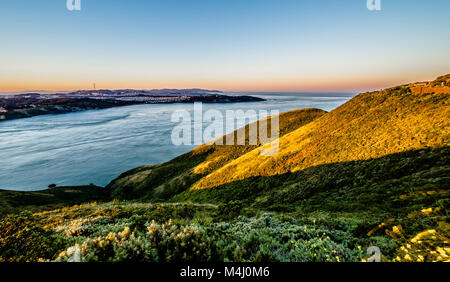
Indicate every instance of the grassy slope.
{"type": "Point", "coordinates": [162, 181]}
{"type": "Point", "coordinates": [387, 142]}
{"type": "Point", "coordinates": [371, 125]}
{"type": "Point", "coordinates": [15, 201]}
{"type": "Point", "coordinates": [391, 186]}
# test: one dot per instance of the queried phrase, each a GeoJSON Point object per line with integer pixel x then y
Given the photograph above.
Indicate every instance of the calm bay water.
{"type": "Point", "coordinates": [96, 146]}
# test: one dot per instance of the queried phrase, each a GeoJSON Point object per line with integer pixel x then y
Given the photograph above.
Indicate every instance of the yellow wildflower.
{"type": "Point", "coordinates": [441, 251]}
{"type": "Point", "coordinates": [407, 257]}
{"type": "Point", "coordinates": [427, 211]}
{"type": "Point", "coordinates": [397, 229]}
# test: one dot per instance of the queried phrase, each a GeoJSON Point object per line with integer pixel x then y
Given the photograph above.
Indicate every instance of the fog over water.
{"type": "Point", "coordinates": [96, 146]}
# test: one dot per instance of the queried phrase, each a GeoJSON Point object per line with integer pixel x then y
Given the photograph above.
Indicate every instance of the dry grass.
{"type": "Point", "coordinates": [162, 181]}
{"type": "Point", "coordinates": [371, 125]}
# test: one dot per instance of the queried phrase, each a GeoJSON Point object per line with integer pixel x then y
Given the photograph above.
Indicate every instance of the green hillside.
{"type": "Point", "coordinates": [373, 172]}
{"type": "Point", "coordinates": [15, 201]}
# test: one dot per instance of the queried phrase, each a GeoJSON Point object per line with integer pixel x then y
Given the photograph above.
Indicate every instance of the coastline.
{"type": "Point", "coordinates": [65, 153]}
{"type": "Point", "coordinates": [36, 107]}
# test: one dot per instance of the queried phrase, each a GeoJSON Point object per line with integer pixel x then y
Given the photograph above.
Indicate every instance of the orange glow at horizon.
{"type": "Point", "coordinates": [288, 84]}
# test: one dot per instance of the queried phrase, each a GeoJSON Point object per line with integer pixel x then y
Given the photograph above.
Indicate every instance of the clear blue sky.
{"type": "Point", "coordinates": [292, 45]}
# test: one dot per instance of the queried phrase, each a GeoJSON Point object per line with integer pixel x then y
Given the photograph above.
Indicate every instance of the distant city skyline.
{"type": "Point", "coordinates": [228, 45]}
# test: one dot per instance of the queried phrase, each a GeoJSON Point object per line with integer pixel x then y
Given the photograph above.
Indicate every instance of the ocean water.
{"type": "Point", "coordinates": [96, 146]}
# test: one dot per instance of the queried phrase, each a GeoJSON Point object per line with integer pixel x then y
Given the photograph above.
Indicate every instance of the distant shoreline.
{"type": "Point", "coordinates": [34, 104]}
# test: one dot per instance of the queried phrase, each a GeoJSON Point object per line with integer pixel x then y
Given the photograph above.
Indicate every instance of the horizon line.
{"type": "Point", "coordinates": [41, 91]}
{"type": "Point", "coordinates": [319, 89]}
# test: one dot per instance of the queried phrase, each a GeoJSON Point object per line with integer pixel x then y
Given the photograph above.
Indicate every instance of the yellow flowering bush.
{"type": "Point", "coordinates": [427, 246]}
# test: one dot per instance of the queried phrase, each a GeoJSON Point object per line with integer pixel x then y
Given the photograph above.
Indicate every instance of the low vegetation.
{"type": "Point", "coordinates": [56, 197]}
{"type": "Point", "coordinates": [125, 231]}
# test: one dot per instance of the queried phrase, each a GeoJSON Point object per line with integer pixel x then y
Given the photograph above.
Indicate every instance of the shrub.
{"type": "Point", "coordinates": [161, 243]}
{"type": "Point", "coordinates": [229, 210]}
{"type": "Point", "coordinates": [257, 239]}
{"type": "Point", "coordinates": [22, 239]}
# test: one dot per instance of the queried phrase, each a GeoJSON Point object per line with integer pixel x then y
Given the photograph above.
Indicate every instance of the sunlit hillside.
{"type": "Point", "coordinates": [438, 86]}
{"type": "Point", "coordinates": [165, 180]}
{"type": "Point", "coordinates": [371, 125]}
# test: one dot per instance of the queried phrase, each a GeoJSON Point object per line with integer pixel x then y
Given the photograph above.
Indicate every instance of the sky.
{"type": "Point", "coordinates": [229, 45]}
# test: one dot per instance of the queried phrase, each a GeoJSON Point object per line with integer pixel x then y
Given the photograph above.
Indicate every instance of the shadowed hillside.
{"type": "Point", "coordinates": [16, 201]}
